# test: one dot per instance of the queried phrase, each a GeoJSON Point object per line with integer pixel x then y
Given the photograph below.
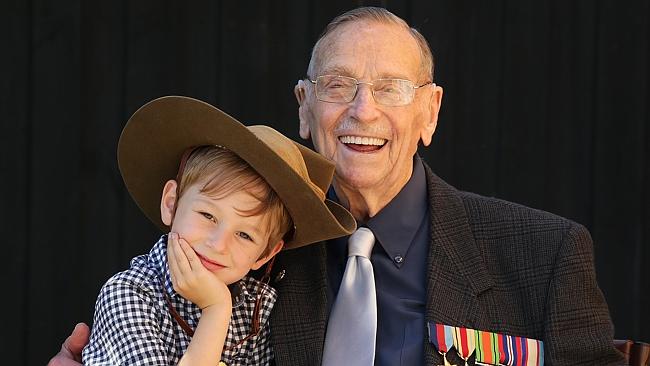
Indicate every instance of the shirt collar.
{"type": "Point", "coordinates": [396, 224]}
{"type": "Point", "coordinates": [158, 261]}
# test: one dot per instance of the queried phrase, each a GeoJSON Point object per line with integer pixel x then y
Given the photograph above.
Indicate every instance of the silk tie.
{"type": "Point", "coordinates": [352, 327]}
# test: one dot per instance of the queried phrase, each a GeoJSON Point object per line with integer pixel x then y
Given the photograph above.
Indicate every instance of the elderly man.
{"type": "Point", "coordinates": [455, 277]}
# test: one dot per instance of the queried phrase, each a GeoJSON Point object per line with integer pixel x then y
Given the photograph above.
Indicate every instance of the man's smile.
{"type": "Point", "coordinates": [362, 143]}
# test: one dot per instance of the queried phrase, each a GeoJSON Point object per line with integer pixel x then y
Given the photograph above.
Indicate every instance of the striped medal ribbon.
{"type": "Point", "coordinates": [464, 342]}
{"type": "Point", "coordinates": [442, 337]}
{"type": "Point", "coordinates": [506, 350]}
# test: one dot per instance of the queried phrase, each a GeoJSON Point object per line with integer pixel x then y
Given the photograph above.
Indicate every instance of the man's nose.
{"type": "Point", "coordinates": [363, 107]}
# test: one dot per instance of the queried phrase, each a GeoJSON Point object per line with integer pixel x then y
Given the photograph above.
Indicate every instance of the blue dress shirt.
{"type": "Point", "coordinates": [399, 261]}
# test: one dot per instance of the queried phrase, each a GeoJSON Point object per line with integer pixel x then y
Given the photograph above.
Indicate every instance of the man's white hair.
{"type": "Point", "coordinates": [379, 15]}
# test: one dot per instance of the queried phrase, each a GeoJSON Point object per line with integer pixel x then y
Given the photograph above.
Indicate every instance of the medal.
{"type": "Point", "coordinates": [487, 350]}
{"type": "Point", "coordinates": [506, 350]}
{"type": "Point", "coordinates": [490, 349]}
{"type": "Point", "coordinates": [528, 352]}
{"type": "Point", "coordinates": [442, 337]}
{"type": "Point", "coordinates": [464, 342]}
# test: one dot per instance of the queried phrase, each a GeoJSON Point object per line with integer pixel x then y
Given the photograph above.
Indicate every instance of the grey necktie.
{"type": "Point", "coordinates": [352, 326]}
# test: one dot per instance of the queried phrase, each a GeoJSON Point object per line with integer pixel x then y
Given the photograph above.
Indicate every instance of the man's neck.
{"type": "Point", "coordinates": [364, 203]}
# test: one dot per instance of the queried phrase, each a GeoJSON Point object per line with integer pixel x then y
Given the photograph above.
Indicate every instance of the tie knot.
{"type": "Point", "coordinates": [361, 242]}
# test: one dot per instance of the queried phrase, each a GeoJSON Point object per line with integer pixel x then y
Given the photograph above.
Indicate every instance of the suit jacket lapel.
{"type": "Point", "coordinates": [456, 273]}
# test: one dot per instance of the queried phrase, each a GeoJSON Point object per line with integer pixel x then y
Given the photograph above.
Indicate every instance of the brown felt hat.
{"type": "Point", "coordinates": [156, 136]}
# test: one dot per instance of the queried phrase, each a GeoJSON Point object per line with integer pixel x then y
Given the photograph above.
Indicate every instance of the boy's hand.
{"type": "Point", "coordinates": [191, 279]}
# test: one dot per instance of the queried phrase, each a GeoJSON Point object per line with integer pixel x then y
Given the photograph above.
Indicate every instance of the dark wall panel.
{"type": "Point", "coordinates": [15, 139]}
{"type": "Point", "coordinates": [620, 141]}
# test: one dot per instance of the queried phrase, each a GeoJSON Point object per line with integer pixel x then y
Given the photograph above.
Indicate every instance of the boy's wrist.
{"type": "Point", "coordinates": [218, 301]}
{"type": "Point", "coordinates": [218, 311]}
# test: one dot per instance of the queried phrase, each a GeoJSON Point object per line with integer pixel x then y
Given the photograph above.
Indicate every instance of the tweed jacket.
{"type": "Point", "coordinates": [492, 265]}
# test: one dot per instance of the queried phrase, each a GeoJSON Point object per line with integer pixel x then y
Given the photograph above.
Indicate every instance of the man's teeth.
{"type": "Point", "coordinates": [357, 140]}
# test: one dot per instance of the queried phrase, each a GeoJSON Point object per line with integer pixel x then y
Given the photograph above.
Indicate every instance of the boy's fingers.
{"type": "Point", "coordinates": [192, 258]}
{"type": "Point", "coordinates": [174, 271]}
{"type": "Point", "coordinates": [170, 251]}
{"type": "Point", "coordinates": [181, 259]}
{"type": "Point", "coordinates": [172, 259]}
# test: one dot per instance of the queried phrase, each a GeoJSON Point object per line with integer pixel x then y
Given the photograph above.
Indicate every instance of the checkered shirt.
{"type": "Point", "coordinates": [133, 325]}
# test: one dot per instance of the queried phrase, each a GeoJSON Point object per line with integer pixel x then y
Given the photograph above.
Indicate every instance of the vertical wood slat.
{"type": "Point", "coordinates": [643, 251]}
{"type": "Point", "coordinates": [155, 66]}
{"type": "Point", "coordinates": [245, 45]}
{"type": "Point", "coordinates": [618, 160]}
{"type": "Point", "coordinates": [465, 41]}
{"type": "Point", "coordinates": [54, 212]}
{"type": "Point", "coordinates": [15, 138]}
{"type": "Point", "coordinates": [103, 52]}
{"type": "Point", "coordinates": [571, 91]}
{"type": "Point", "coordinates": [524, 99]}
{"type": "Point", "coordinates": [291, 40]}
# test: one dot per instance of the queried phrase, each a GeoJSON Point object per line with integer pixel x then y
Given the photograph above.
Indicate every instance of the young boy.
{"type": "Point", "coordinates": [233, 196]}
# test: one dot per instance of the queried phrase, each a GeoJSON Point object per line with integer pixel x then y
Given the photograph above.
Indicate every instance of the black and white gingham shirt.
{"type": "Point", "coordinates": [133, 325]}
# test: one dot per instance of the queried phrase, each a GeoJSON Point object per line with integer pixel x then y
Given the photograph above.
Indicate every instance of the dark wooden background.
{"type": "Point", "coordinates": [546, 103]}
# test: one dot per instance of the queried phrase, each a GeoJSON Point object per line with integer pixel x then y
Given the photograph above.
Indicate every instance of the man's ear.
{"type": "Point", "coordinates": [434, 108]}
{"type": "Point", "coordinates": [262, 261]}
{"type": "Point", "coordinates": [168, 202]}
{"type": "Point", "coordinates": [299, 91]}
{"type": "Point", "coordinates": [301, 96]}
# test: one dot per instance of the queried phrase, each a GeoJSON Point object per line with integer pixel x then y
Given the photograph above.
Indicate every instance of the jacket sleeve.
{"type": "Point", "coordinates": [578, 328]}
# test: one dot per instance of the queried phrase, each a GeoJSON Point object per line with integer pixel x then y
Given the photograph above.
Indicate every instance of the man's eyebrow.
{"type": "Point", "coordinates": [344, 71]}
{"type": "Point", "coordinates": [336, 70]}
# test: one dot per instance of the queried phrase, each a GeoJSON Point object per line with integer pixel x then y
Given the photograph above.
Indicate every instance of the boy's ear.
{"type": "Point", "coordinates": [262, 261]}
{"type": "Point", "coordinates": [168, 202]}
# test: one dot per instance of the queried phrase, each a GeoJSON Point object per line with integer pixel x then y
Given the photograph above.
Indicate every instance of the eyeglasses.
{"type": "Point", "coordinates": [343, 89]}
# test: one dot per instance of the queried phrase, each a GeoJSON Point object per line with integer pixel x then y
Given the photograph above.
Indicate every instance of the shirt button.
{"type": "Point", "coordinates": [398, 259]}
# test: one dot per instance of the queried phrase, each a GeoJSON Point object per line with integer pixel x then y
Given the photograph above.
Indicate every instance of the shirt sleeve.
{"type": "Point", "coordinates": [126, 328]}
{"type": "Point", "coordinates": [263, 352]}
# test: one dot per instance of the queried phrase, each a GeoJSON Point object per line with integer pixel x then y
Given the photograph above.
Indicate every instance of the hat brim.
{"type": "Point", "coordinates": [157, 134]}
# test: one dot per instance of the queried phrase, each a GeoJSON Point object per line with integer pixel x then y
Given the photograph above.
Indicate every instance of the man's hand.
{"type": "Point", "coordinates": [191, 279]}
{"type": "Point", "coordinates": [70, 354]}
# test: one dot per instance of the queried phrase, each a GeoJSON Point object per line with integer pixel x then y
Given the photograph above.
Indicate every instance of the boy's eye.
{"type": "Point", "coordinates": [208, 216]}
{"type": "Point", "coordinates": [244, 236]}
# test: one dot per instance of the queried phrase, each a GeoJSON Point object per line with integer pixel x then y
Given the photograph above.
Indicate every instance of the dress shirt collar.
{"type": "Point", "coordinates": [396, 224]}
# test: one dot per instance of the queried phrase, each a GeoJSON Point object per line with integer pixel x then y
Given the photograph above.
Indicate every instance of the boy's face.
{"type": "Point", "coordinates": [227, 241]}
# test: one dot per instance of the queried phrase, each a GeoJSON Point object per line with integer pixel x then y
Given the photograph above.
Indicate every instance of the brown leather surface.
{"type": "Point", "coordinates": [636, 353]}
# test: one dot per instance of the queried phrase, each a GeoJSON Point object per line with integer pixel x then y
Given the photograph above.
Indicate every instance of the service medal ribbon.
{"type": "Point", "coordinates": [464, 342]}
{"type": "Point", "coordinates": [491, 349]}
{"type": "Point", "coordinates": [442, 337]}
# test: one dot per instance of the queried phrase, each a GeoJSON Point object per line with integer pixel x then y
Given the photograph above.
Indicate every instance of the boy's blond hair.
{"type": "Point", "coordinates": [222, 172]}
